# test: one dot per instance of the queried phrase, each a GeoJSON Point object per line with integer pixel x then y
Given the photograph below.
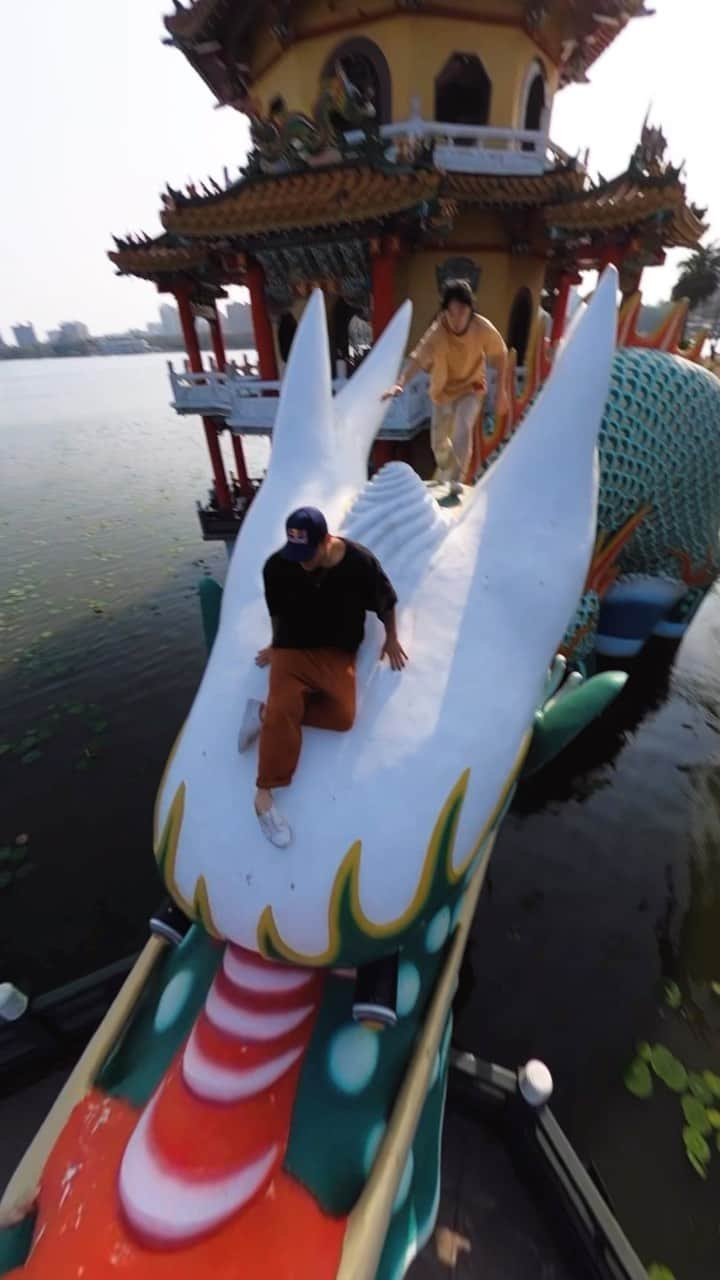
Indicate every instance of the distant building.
{"type": "Point", "coordinates": [25, 335]}
{"type": "Point", "coordinates": [72, 331]}
{"type": "Point", "coordinates": [169, 320]}
{"type": "Point", "coordinates": [121, 344]}
{"type": "Point", "coordinates": [239, 318]}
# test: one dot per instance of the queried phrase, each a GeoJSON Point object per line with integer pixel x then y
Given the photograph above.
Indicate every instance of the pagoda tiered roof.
{"type": "Point", "coordinates": [557, 210]}
{"type": "Point", "coordinates": [218, 36]}
{"type": "Point", "coordinates": [632, 200]}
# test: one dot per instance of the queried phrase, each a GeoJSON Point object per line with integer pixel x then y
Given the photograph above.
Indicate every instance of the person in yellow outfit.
{"type": "Point", "coordinates": [456, 351]}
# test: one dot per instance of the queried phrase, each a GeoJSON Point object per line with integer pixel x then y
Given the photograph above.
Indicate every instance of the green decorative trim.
{"type": "Point", "coordinates": [210, 593]}
{"type": "Point", "coordinates": [560, 724]}
{"type": "Point", "coordinates": [15, 1243]}
{"type": "Point", "coordinates": [157, 1031]}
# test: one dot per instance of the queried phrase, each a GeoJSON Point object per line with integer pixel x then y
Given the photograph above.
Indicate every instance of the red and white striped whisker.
{"type": "Point", "coordinates": [234, 1085]}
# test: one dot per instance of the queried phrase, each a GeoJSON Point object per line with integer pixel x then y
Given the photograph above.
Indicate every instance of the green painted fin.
{"type": "Point", "coordinates": [15, 1243]}
{"type": "Point", "coordinates": [210, 593]}
{"type": "Point", "coordinates": [164, 1018]}
{"type": "Point", "coordinates": [562, 721]}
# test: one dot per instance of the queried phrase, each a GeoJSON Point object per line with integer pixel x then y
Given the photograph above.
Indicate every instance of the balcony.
{"type": "Point", "coordinates": [254, 406]}
{"type": "Point", "coordinates": [465, 148]}
{"type": "Point", "coordinates": [249, 405]}
{"type": "Point", "coordinates": [207, 393]}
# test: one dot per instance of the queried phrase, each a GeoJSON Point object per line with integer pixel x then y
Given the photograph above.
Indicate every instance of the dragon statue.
{"type": "Point", "coordinates": [236, 1121]}
{"type": "Point", "coordinates": [285, 139]}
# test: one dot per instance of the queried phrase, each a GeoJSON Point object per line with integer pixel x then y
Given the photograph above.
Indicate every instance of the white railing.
{"type": "Point", "coordinates": [207, 392]}
{"type": "Point", "coordinates": [467, 148]}
{"type": "Point", "coordinates": [249, 404]}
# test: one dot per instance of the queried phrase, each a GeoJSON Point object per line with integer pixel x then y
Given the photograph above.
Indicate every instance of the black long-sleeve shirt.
{"type": "Point", "coordinates": [326, 608]}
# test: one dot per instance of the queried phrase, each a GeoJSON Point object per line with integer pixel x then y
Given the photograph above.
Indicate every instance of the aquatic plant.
{"type": "Point", "coordinates": [698, 1090]}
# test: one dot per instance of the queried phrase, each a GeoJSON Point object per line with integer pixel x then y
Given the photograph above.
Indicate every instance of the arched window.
{"type": "Point", "coordinates": [534, 112]}
{"type": "Point", "coordinates": [287, 325]}
{"type": "Point", "coordinates": [463, 91]}
{"type": "Point", "coordinates": [520, 324]}
{"type": "Point", "coordinates": [364, 65]}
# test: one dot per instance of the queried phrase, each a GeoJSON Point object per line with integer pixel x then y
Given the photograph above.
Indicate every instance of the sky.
{"type": "Point", "coordinates": [98, 114]}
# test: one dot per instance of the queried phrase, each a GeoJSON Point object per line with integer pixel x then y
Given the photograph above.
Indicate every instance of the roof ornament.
{"type": "Point", "coordinates": [536, 12]}
{"type": "Point", "coordinates": [649, 156]}
{"type": "Point", "coordinates": [285, 139]}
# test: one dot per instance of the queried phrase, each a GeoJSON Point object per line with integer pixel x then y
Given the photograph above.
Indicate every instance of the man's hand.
{"type": "Point", "coordinates": [262, 658]}
{"type": "Point", "coordinates": [391, 392]}
{"type": "Point", "coordinates": [393, 650]}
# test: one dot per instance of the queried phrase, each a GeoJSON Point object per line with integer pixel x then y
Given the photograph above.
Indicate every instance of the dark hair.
{"type": "Point", "coordinates": [457, 291]}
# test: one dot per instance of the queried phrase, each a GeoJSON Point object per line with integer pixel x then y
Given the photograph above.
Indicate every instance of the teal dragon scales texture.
{"type": "Point", "coordinates": [659, 499]}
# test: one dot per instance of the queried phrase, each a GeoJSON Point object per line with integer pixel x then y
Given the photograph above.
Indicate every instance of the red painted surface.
{"type": "Point", "coordinates": [561, 305]}
{"type": "Point", "coordinates": [187, 324]}
{"type": "Point", "coordinates": [264, 340]}
{"type": "Point", "coordinates": [281, 1235]}
{"type": "Point", "coordinates": [218, 342]}
{"type": "Point", "coordinates": [241, 470]}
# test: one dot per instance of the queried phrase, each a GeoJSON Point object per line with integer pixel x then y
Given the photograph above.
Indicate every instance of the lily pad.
{"type": "Point", "coordinates": [713, 1116]}
{"type": "Point", "coordinates": [31, 756]}
{"type": "Point", "coordinates": [697, 1164]}
{"type": "Point", "coordinates": [656, 1271]}
{"type": "Point", "coordinates": [5, 747]}
{"type": "Point", "coordinates": [638, 1080]}
{"type": "Point", "coordinates": [668, 1069]}
{"type": "Point", "coordinates": [713, 1082]}
{"type": "Point", "coordinates": [715, 988]}
{"type": "Point", "coordinates": [6, 878]}
{"type": "Point", "coordinates": [673, 995]}
{"type": "Point", "coordinates": [699, 1088]}
{"type": "Point", "coordinates": [695, 1144]}
{"type": "Point", "coordinates": [695, 1114]}
{"type": "Point", "coordinates": [644, 1051]}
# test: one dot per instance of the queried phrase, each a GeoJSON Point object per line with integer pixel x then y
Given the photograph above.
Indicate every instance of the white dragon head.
{"type": "Point", "coordinates": [387, 818]}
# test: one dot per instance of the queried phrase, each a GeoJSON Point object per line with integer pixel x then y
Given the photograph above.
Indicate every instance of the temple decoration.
{"type": "Point", "coordinates": [285, 139]}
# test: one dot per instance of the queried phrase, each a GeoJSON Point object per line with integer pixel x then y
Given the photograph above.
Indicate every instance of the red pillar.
{"type": "Point", "coordinates": [187, 324]}
{"type": "Point", "coordinates": [192, 346]}
{"type": "Point", "coordinates": [240, 465]}
{"type": "Point", "coordinates": [560, 308]}
{"type": "Point", "coordinates": [383, 310]}
{"type": "Point", "coordinates": [383, 290]}
{"type": "Point", "coordinates": [218, 341]}
{"type": "Point", "coordinates": [262, 326]}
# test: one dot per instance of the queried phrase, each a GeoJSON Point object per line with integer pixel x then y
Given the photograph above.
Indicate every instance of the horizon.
{"type": "Point", "coordinates": [119, 129]}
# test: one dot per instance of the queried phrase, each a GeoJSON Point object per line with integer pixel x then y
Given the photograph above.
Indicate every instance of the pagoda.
{"type": "Point", "coordinates": [394, 145]}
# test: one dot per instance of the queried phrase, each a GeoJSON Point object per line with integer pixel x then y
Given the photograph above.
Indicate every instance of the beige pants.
{"type": "Point", "coordinates": [451, 434]}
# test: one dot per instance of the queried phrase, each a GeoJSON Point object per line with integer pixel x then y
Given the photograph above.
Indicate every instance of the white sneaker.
{"type": "Point", "coordinates": [275, 827]}
{"type": "Point", "coordinates": [455, 489]}
{"type": "Point", "coordinates": [251, 724]}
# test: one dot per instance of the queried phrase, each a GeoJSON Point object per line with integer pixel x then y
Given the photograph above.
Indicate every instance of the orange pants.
{"type": "Point", "coordinates": [307, 686]}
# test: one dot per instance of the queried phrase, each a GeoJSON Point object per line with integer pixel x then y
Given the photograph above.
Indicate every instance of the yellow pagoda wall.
{"type": "Point", "coordinates": [416, 47]}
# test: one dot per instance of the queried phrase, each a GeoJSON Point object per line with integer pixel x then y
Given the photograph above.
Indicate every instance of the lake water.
{"type": "Point", "coordinates": [605, 882]}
